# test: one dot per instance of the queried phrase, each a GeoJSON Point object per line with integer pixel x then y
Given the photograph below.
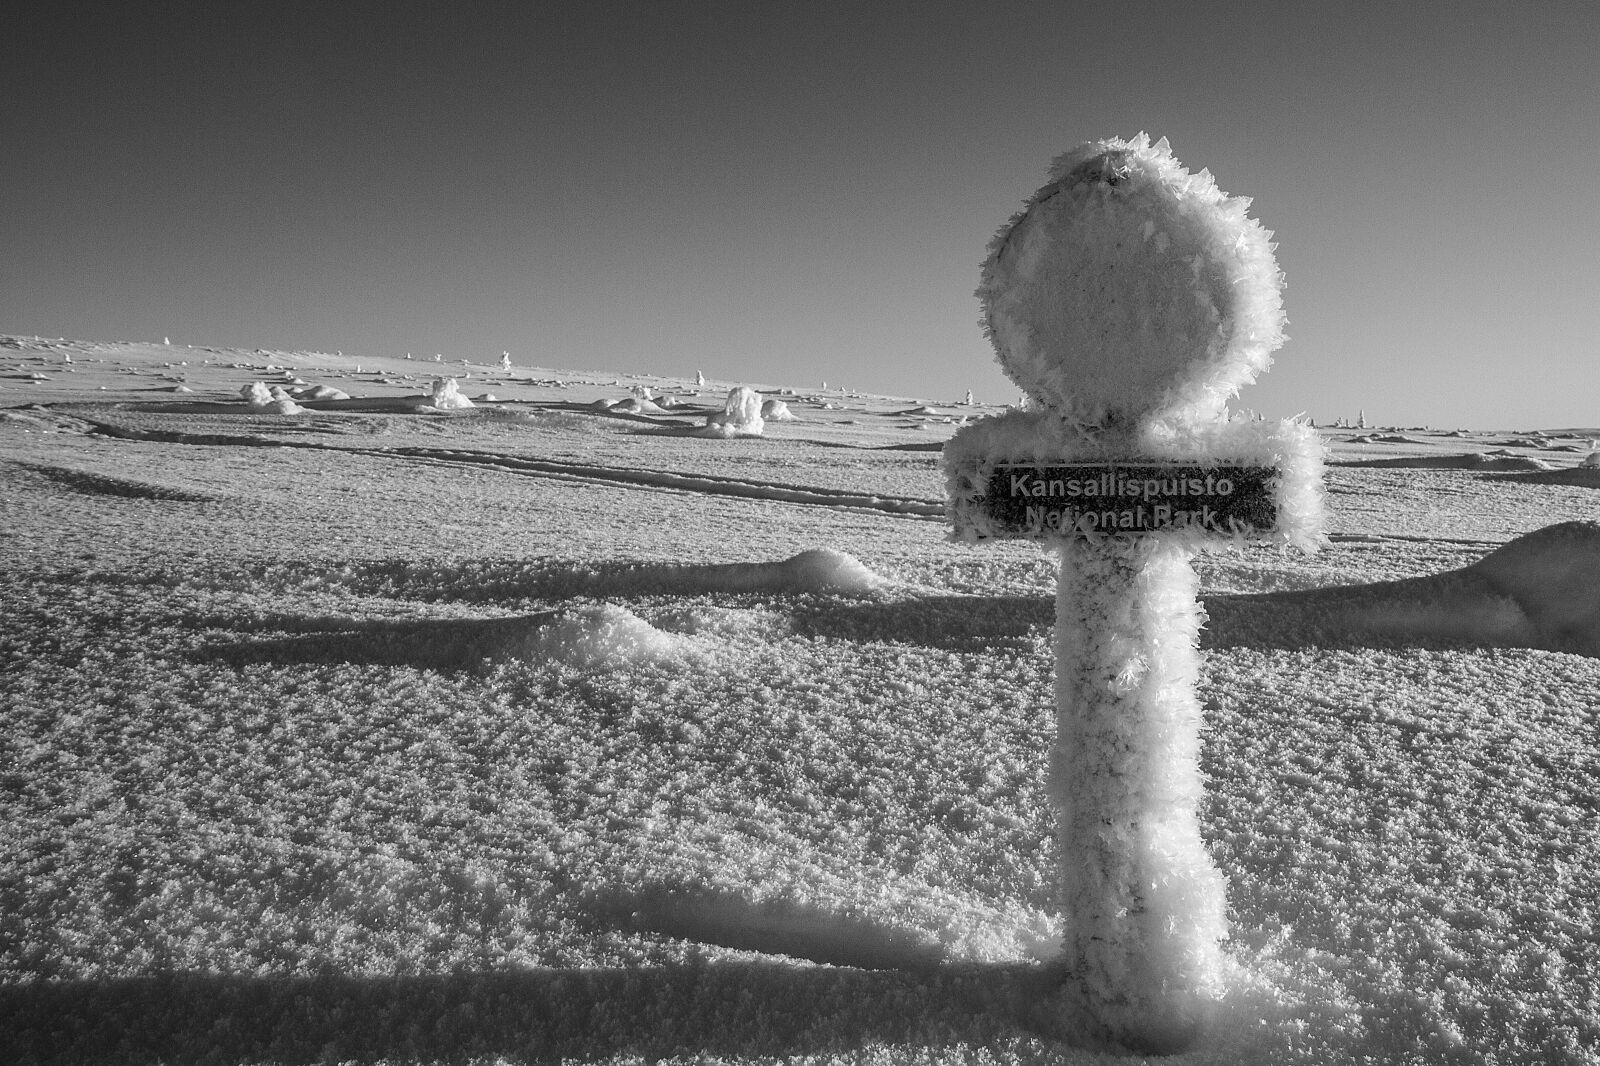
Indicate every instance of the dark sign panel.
{"type": "Point", "coordinates": [1091, 498]}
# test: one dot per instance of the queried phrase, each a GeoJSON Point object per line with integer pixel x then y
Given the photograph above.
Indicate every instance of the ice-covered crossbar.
{"type": "Point", "coordinates": [1131, 299]}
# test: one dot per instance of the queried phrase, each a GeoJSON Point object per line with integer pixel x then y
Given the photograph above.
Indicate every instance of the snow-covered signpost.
{"type": "Point", "coordinates": [1130, 300]}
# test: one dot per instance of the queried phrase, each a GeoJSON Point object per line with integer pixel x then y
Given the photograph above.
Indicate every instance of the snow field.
{"type": "Point", "coordinates": [305, 819]}
{"type": "Point", "coordinates": [269, 800]}
{"type": "Point", "coordinates": [1419, 822]}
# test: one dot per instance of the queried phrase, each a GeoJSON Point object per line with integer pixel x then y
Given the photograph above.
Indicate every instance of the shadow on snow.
{"type": "Point", "coordinates": [724, 1007]}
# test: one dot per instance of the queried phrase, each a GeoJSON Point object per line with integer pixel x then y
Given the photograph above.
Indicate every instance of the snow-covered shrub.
{"type": "Point", "coordinates": [740, 415]}
{"type": "Point", "coordinates": [446, 393]}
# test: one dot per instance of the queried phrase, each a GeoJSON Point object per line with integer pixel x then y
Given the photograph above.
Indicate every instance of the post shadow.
{"type": "Point", "coordinates": [438, 644]}
{"type": "Point", "coordinates": [755, 1008]}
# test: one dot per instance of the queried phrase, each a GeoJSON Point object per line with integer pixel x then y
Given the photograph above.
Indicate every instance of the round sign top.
{"type": "Point", "coordinates": [1130, 289]}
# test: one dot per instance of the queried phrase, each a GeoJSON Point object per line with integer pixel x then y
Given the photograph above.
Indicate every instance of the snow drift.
{"type": "Point", "coordinates": [1541, 590]}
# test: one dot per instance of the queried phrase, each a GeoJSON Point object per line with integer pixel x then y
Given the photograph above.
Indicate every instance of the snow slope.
{"type": "Point", "coordinates": [528, 731]}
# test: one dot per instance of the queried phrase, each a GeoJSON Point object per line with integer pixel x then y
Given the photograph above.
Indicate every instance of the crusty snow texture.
{"type": "Point", "coordinates": [1144, 905]}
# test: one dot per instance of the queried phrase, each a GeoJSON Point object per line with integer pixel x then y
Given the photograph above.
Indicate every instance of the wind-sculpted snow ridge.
{"type": "Point", "coordinates": [1541, 590]}
{"type": "Point", "coordinates": [1486, 461]}
{"type": "Point", "coordinates": [1585, 474]}
{"type": "Point", "coordinates": [664, 480]}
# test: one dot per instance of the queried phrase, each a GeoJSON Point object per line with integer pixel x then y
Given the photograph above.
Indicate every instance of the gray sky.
{"type": "Point", "coordinates": [788, 192]}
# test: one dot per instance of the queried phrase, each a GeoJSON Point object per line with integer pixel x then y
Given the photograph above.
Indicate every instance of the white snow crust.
{"type": "Point", "coordinates": [526, 738]}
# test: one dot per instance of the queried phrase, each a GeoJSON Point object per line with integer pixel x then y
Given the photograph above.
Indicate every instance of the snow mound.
{"type": "Point", "coordinates": [260, 398]}
{"type": "Point", "coordinates": [826, 570]}
{"type": "Point", "coordinates": [1541, 590]}
{"type": "Point", "coordinates": [1464, 461]}
{"type": "Point", "coordinates": [1584, 476]}
{"type": "Point", "coordinates": [446, 395]}
{"type": "Point", "coordinates": [319, 392]}
{"type": "Point", "coordinates": [1383, 438]}
{"type": "Point", "coordinates": [817, 570]}
{"type": "Point", "coordinates": [595, 636]}
{"type": "Point", "coordinates": [633, 405]}
{"type": "Point", "coordinates": [820, 570]}
{"type": "Point", "coordinates": [776, 411]}
{"type": "Point", "coordinates": [1553, 576]}
{"type": "Point", "coordinates": [740, 415]}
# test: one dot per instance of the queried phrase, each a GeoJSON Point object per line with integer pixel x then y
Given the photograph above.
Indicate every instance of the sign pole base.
{"type": "Point", "coordinates": [1145, 907]}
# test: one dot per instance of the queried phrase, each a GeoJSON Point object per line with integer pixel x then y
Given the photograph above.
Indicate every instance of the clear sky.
{"type": "Point", "coordinates": [789, 192]}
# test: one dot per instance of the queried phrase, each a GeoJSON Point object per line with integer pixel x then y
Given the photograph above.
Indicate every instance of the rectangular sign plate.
{"type": "Point", "coordinates": [1091, 498]}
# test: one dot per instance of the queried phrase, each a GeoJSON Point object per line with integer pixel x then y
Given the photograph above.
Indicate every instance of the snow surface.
{"type": "Point", "coordinates": [528, 733]}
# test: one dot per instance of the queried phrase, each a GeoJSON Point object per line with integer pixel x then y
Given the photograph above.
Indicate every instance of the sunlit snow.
{"type": "Point", "coordinates": [527, 732]}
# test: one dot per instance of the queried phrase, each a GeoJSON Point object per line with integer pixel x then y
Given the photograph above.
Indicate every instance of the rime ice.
{"type": "Point", "coordinates": [740, 415]}
{"type": "Point", "coordinates": [1130, 300]}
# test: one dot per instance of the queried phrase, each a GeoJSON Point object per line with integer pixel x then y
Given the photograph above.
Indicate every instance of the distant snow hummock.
{"type": "Point", "coordinates": [740, 415]}
{"type": "Point", "coordinates": [818, 570]}
{"type": "Point", "coordinates": [776, 411]}
{"type": "Point", "coordinates": [447, 396]}
{"type": "Point", "coordinates": [319, 392]}
{"type": "Point", "coordinates": [258, 396]}
{"type": "Point", "coordinates": [632, 405]}
{"type": "Point", "coordinates": [592, 636]}
{"type": "Point", "coordinates": [1486, 461]}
